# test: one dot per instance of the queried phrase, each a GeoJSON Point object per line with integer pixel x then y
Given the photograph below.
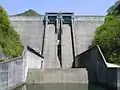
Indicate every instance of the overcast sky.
{"type": "Point", "coordinates": [82, 7]}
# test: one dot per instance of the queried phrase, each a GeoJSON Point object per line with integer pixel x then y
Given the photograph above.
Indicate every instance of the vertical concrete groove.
{"type": "Point", "coordinates": [45, 25]}
{"type": "Point", "coordinates": [72, 38]}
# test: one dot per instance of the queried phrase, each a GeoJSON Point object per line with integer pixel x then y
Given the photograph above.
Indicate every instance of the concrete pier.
{"type": "Point", "coordinates": [67, 50]}
{"type": "Point", "coordinates": [50, 48]}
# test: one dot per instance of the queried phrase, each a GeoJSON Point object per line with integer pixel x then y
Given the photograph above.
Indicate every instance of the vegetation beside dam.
{"type": "Point", "coordinates": [10, 44]}
{"type": "Point", "coordinates": [108, 35]}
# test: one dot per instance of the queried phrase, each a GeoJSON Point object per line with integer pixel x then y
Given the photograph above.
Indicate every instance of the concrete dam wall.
{"type": "Point", "coordinates": [31, 31]}
{"type": "Point", "coordinates": [59, 37]}
{"type": "Point", "coordinates": [84, 30]}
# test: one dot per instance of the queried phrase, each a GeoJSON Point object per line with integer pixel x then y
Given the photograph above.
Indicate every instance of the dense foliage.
{"type": "Point", "coordinates": [114, 9]}
{"type": "Point", "coordinates": [30, 12]}
{"type": "Point", "coordinates": [108, 35]}
{"type": "Point", "coordinates": [10, 43]}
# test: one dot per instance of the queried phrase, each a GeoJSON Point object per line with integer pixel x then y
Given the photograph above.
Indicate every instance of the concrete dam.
{"type": "Point", "coordinates": [59, 37]}
{"type": "Point", "coordinates": [57, 52]}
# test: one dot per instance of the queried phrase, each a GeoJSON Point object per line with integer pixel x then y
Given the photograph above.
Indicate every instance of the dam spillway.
{"type": "Point", "coordinates": [57, 45]}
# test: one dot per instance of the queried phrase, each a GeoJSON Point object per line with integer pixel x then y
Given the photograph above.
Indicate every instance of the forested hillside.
{"type": "Point", "coordinates": [108, 35]}
{"type": "Point", "coordinates": [10, 44]}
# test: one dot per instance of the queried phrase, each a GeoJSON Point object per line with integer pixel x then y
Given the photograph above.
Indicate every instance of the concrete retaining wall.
{"type": "Point", "coordinates": [99, 71]}
{"type": "Point", "coordinates": [34, 59]}
{"type": "Point", "coordinates": [12, 73]}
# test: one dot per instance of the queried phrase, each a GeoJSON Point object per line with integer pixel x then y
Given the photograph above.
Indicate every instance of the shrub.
{"type": "Point", "coordinates": [108, 38]}
{"type": "Point", "coordinates": [9, 39]}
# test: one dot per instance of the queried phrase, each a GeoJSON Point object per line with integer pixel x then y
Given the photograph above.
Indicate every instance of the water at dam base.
{"type": "Point", "coordinates": [62, 87]}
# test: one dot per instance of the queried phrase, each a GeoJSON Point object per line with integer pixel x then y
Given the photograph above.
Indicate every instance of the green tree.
{"type": "Point", "coordinates": [9, 39]}
{"type": "Point", "coordinates": [114, 9]}
{"type": "Point", "coordinates": [108, 35]}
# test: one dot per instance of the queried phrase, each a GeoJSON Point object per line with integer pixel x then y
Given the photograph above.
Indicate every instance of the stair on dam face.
{"type": "Point", "coordinates": [57, 75]}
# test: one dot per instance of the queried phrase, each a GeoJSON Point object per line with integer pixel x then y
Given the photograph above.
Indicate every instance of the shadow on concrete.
{"type": "Point", "coordinates": [33, 51]}
{"type": "Point", "coordinates": [99, 71]}
{"type": "Point", "coordinates": [60, 86]}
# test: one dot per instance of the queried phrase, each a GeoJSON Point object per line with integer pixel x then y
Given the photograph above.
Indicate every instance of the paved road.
{"type": "Point", "coordinates": [50, 48]}
{"type": "Point", "coordinates": [67, 52]}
